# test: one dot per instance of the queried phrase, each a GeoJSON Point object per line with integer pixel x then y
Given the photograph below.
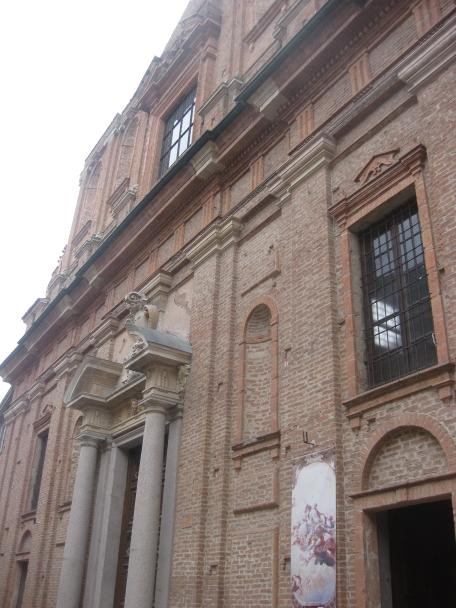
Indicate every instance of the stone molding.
{"type": "Point", "coordinates": [92, 440]}
{"type": "Point", "coordinates": [406, 165]}
{"type": "Point", "coordinates": [437, 52]}
{"type": "Point", "coordinates": [267, 99]}
{"type": "Point", "coordinates": [107, 330]}
{"type": "Point", "coordinates": [158, 288]}
{"type": "Point", "coordinates": [122, 199]}
{"type": "Point", "coordinates": [20, 407]}
{"type": "Point", "coordinates": [306, 161]}
{"type": "Point", "coordinates": [34, 311]}
{"type": "Point", "coordinates": [95, 378]}
{"type": "Point", "coordinates": [36, 392]}
{"type": "Point", "coordinates": [438, 377]}
{"type": "Point", "coordinates": [205, 162]}
{"type": "Point", "coordinates": [217, 239]}
{"type": "Point", "coordinates": [223, 95]}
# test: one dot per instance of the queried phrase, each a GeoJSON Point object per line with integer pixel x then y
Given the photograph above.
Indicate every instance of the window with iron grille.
{"type": "Point", "coordinates": [397, 307]}
{"type": "Point", "coordinates": [178, 132]}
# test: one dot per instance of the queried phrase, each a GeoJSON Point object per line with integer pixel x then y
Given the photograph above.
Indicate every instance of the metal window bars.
{"type": "Point", "coordinates": [397, 310]}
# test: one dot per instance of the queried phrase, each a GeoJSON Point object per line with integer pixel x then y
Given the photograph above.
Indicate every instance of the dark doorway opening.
{"type": "Point", "coordinates": [417, 556]}
{"type": "Point", "coordinates": [23, 569]}
{"type": "Point", "coordinates": [134, 459]}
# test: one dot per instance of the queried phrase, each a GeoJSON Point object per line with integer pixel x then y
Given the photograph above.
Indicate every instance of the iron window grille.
{"type": "Point", "coordinates": [178, 132]}
{"type": "Point", "coordinates": [397, 309]}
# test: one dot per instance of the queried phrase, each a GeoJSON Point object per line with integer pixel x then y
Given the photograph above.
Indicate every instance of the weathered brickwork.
{"type": "Point", "coordinates": [313, 120]}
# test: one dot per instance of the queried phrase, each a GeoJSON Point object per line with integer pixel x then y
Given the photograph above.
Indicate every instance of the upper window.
{"type": "Point", "coordinates": [397, 308]}
{"type": "Point", "coordinates": [178, 132]}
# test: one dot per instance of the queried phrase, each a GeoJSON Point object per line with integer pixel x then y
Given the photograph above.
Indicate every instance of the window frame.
{"type": "Point", "coordinates": [388, 280]}
{"type": "Point", "coordinates": [173, 119]}
{"type": "Point", "coordinates": [380, 192]}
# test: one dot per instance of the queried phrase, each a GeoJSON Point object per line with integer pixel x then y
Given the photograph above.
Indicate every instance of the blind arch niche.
{"type": "Point", "coordinates": [258, 394]}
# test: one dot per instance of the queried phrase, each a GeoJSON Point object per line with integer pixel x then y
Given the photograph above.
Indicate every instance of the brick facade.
{"type": "Point", "coordinates": [313, 120]}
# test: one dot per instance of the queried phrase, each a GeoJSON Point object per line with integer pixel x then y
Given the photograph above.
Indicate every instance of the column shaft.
{"type": "Point", "coordinates": [165, 554]}
{"type": "Point", "coordinates": [144, 536]}
{"type": "Point", "coordinates": [74, 555]}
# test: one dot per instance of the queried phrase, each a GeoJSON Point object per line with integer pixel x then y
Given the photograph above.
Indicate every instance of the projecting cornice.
{"type": "Point", "coordinates": [306, 161]}
{"type": "Point", "coordinates": [216, 240]}
{"type": "Point", "coordinates": [430, 58]}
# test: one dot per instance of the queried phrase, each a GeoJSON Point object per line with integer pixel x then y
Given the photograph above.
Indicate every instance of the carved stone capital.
{"type": "Point", "coordinates": [90, 439]}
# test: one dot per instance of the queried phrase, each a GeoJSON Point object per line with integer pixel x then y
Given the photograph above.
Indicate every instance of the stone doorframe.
{"type": "Point", "coordinates": [368, 502]}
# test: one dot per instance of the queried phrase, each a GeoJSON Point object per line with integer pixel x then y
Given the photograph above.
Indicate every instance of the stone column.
{"type": "Point", "coordinates": [144, 536]}
{"type": "Point", "coordinates": [168, 513]}
{"type": "Point", "coordinates": [75, 553]}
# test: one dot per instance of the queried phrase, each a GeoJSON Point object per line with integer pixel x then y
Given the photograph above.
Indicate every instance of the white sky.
{"type": "Point", "coordinates": [66, 69]}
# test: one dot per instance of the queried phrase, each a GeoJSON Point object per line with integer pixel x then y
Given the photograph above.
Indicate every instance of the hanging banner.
{"type": "Point", "coordinates": [313, 532]}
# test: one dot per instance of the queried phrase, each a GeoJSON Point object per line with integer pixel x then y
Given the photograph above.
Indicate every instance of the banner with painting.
{"type": "Point", "coordinates": [313, 532]}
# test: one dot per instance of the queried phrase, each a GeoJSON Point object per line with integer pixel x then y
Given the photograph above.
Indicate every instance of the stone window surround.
{"type": "Point", "coordinates": [353, 213]}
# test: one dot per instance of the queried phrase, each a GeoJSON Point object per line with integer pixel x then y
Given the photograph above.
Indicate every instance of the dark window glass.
{"type": "Point", "coordinates": [397, 308]}
{"type": "Point", "coordinates": [39, 466]}
{"type": "Point", "coordinates": [178, 132]}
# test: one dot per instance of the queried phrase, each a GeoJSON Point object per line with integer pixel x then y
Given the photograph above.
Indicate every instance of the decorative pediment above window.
{"type": "Point", "coordinates": [376, 165]}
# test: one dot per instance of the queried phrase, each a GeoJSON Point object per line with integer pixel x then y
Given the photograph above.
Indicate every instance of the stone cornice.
{"type": "Point", "coordinates": [206, 161]}
{"type": "Point", "coordinates": [311, 158]}
{"type": "Point", "coordinates": [267, 99]}
{"type": "Point", "coordinates": [217, 239]}
{"type": "Point", "coordinates": [435, 54]}
{"type": "Point", "coordinates": [158, 288]}
{"type": "Point", "coordinates": [223, 92]}
{"type": "Point", "coordinates": [21, 406]}
{"type": "Point", "coordinates": [108, 328]}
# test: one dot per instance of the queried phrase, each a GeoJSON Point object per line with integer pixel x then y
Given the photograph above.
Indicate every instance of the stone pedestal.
{"type": "Point", "coordinates": [74, 556]}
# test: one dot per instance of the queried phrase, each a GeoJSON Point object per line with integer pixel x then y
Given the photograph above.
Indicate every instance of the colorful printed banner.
{"type": "Point", "coordinates": [313, 532]}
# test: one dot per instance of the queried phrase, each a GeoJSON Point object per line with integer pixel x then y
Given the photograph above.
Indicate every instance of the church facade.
{"type": "Point", "coordinates": [239, 388]}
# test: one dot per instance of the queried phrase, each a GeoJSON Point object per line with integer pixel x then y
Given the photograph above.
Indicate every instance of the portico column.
{"type": "Point", "coordinates": [165, 555]}
{"type": "Point", "coordinates": [75, 552]}
{"type": "Point", "coordinates": [144, 536]}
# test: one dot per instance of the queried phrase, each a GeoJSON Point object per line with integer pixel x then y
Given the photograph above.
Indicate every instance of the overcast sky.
{"type": "Point", "coordinates": [66, 69]}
